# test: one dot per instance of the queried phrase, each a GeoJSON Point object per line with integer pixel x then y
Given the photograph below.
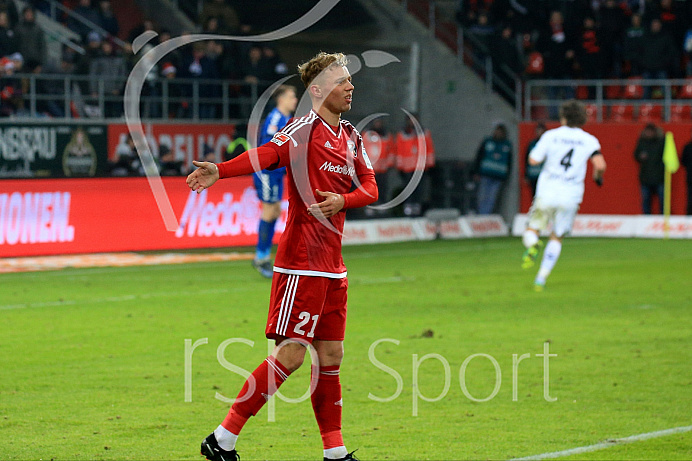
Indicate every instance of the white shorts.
{"type": "Point", "coordinates": [560, 217]}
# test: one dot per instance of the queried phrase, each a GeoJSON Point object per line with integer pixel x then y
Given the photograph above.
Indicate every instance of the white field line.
{"type": "Point", "coordinates": [116, 299]}
{"type": "Point", "coordinates": [607, 444]}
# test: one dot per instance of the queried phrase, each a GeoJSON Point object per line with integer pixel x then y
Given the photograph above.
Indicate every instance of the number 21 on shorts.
{"type": "Point", "coordinates": [305, 318]}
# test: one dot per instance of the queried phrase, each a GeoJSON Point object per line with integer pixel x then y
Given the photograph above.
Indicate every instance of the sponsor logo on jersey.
{"type": "Point", "coordinates": [328, 145]}
{"type": "Point", "coordinates": [340, 169]}
{"type": "Point", "coordinates": [352, 147]}
{"type": "Point", "coordinates": [280, 139]}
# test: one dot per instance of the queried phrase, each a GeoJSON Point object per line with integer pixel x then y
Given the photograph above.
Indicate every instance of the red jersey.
{"type": "Point", "coordinates": [317, 156]}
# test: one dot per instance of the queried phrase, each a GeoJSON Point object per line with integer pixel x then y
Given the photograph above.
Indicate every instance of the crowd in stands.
{"type": "Point", "coordinates": [588, 39]}
{"type": "Point", "coordinates": [105, 63]}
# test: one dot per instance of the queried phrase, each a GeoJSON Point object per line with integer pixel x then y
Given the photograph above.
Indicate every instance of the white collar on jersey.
{"type": "Point", "coordinates": [329, 127]}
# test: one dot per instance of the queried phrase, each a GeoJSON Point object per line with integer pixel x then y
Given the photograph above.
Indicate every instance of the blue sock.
{"type": "Point", "coordinates": [264, 243]}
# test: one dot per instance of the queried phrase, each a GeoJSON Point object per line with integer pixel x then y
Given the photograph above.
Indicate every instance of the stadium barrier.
{"type": "Point", "coordinates": [90, 215]}
{"type": "Point", "coordinates": [58, 149]}
{"type": "Point", "coordinates": [641, 226]}
{"type": "Point", "coordinates": [68, 216]}
{"type": "Point", "coordinates": [412, 229]}
{"type": "Point", "coordinates": [621, 191]}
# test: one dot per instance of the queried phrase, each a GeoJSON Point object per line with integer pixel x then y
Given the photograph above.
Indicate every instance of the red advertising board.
{"type": "Point", "coordinates": [620, 193]}
{"type": "Point", "coordinates": [186, 141]}
{"type": "Point", "coordinates": [60, 216]}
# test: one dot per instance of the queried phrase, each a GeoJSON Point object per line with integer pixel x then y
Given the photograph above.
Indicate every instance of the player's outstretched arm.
{"type": "Point", "coordinates": [599, 167]}
{"type": "Point", "coordinates": [203, 177]}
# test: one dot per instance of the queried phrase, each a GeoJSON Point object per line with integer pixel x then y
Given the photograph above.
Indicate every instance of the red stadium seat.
{"type": "Point", "coordinates": [621, 113]}
{"type": "Point", "coordinates": [582, 92]}
{"type": "Point", "coordinates": [591, 112]}
{"type": "Point", "coordinates": [634, 89]}
{"type": "Point", "coordinates": [680, 113]}
{"type": "Point", "coordinates": [613, 91]}
{"type": "Point", "coordinates": [686, 90]}
{"type": "Point", "coordinates": [651, 113]}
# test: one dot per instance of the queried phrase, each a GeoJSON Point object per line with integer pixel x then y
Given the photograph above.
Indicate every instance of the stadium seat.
{"type": "Point", "coordinates": [634, 89]}
{"type": "Point", "coordinates": [621, 113]}
{"type": "Point", "coordinates": [582, 92]}
{"type": "Point", "coordinates": [651, 113]}
{"type": "Point", "coordinates": [613, 91]}
{"type": "Point", "coordinates": [591, 112]}
{"type": "Point", "coordinates": [686, 90]}
{"type": "Point", "coordinates": [680, 113]}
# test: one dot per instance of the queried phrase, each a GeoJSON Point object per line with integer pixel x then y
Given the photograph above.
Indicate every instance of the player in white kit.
{"type": "Point", "coordinates": [564, 153]}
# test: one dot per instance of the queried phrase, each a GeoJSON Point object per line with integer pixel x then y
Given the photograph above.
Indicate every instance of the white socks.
{"type": "Point", "coordinates": [336, 452]}
{"type": "Point", "coordinates": [550, 257]}
{"type": "Point", "coordinates": [225, 438]}
{"type": "Point", "coordinates": [530, 238]}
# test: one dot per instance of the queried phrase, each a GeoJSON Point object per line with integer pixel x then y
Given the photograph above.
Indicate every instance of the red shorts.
{"type": "Point", "coordinates": [307, 307]}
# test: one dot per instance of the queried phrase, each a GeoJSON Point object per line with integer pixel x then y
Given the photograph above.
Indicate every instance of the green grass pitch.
{"type": "Point", "coordinates": [92, 364]}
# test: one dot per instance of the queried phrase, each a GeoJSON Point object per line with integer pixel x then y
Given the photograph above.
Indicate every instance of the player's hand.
{"type": "Point", "coordinates": [332, 204]}
{"type": "Point", "coordinates": [203, 177]}
{"type": "Point", "coordinates": [598, 179]}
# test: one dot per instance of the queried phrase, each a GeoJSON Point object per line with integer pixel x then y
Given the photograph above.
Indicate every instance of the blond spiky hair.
{"type": "Point", "coordinates": [311, 69]}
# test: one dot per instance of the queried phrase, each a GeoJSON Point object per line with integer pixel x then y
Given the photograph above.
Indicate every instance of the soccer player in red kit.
{"type": "Point", "coordinates": [325, 158]}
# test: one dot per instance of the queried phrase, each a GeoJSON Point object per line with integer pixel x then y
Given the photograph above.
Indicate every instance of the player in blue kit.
{"type": "Point", "coordinates": [270, 183]}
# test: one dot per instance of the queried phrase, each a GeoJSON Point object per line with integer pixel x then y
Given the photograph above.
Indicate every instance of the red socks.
{"type": "Point", "coordinates": [326, 399]}
{"type": "Point", "coordinates": [267, 379]}
{"type": "Point", "coordinates": [327, 404]}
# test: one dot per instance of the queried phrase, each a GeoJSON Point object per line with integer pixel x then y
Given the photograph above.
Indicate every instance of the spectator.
{"type": "Point", "coordinates": [649, 155]}
{"type": "Point", "coordinates": [531, 172]}
{"type": "Point", "coordinates": [407, 154]}
{"type": "Point", "coordinates": [278, 67]}
{"type": "Point", "coordinates": [505, 52]}
{"type": "Point", "coordinates": [50, 88]}
{"type": "Point", "coordinates": [658, 54]}
{"type": "Point", "coordinates": [558, 53]}
{"type": "Point", "coordinates": [9, 42]}
{"type": "Point", "coordinates": [200, 67]}
{"type": "Point", "coordinates": [107, 19]}
{"type": "Point", "coordinates": [32, 42]}
{"type": "Point", "coordinates": [8, 6]}
{"type": "Point", "coordinates": [83, 61]}
{"type": "Point", "coordinates": [589, 52]}
{"type": "Point", "coordinates": [491, 168]}
{"type": "Point", "coordinates": [467, 13]}
{"type": "Point", "coordinates": [633, 45]}
{"type": "Point", "coordinates": [177, 107]}
{"type": "Point", "coordinates": [126, 161]}
{"type": "Point", "coordinates": [226, 15]}
{"type": "Point", "coordinates": [378, 144]}
{"type": "Point", "coordinates": [256, 68]}
{"type": "Point", "coordinates": [612, 23]}
{"type": "Point", "coordinates": [108, 70]}
{"type": "Point", "coordinates": [146, 25]}
{"type": "Point", "coordinates": [672, 18]}
{"type": "Point", "coordinates": [86, 11]}
{"type": "Point", "coordinates": [168, 165]}
{"type": "Point", "coordinates": [686, 162]}
{"type": "Point", "coordinates": [483, 32]}
{"type": "Point", "coordinates": [518, 14]}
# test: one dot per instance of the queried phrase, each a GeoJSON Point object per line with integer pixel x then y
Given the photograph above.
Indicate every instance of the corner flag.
{"type": "Point", "coordinates": [670, 154]}
{"type": "Point", "coordinates": [672, 164]}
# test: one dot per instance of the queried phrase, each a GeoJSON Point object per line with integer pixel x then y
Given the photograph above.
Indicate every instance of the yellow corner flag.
{"type": "Point", "coordinates": [672, 164]}
{"type": "Point", "coordinates": [670, 154]}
